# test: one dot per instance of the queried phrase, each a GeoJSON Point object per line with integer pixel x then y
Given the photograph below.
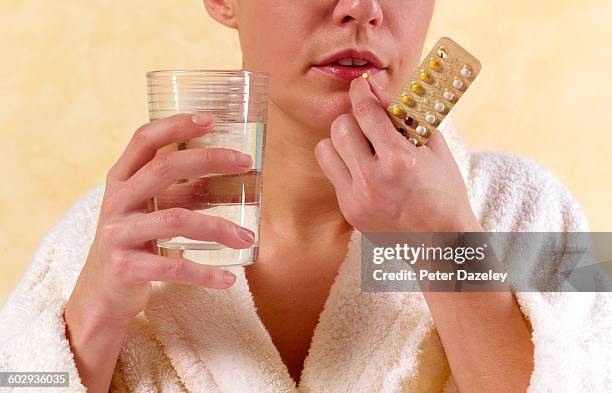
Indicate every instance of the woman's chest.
{"type": "Point", "coordinates": [289, 295]}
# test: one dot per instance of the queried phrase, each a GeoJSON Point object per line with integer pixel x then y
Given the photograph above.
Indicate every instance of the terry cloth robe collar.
{"type": "Point", "coordinates": [216, 341]}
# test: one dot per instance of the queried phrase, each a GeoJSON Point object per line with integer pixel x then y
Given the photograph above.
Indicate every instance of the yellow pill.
{"type": "Point", "coordinates": [365, 75]}
{"type": "Point", "coordinates": [406, 100]}
{"type": "Point", "coordinates": [416, 88]}
{"type": "Point", "coordinates": [424, 76]}
{"type": "Point", "coordinates": [397, 111]}
{"type": "Point", "coordinates": [434, 64]}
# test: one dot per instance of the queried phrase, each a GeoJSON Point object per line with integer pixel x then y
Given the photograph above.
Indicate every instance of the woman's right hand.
{"type": "Point", "coordinates": [115, 282]}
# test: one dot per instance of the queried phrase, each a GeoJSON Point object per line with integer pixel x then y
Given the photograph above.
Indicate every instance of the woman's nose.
{"type": "Point", "coordinates": [361, 12]}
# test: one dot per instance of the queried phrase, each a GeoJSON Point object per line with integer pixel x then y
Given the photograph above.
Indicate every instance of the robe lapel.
{"type": "Point", "coordinates": [374, 342]}
{"type": "Point", "coordinates": [215, 340]}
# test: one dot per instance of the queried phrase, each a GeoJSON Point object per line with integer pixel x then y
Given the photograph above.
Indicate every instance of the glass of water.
{"type": "Point", "coordinates": [238, 101]}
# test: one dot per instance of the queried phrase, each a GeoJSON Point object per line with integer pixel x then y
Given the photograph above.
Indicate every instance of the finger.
{"type": "Point", "coordinates": [384, 98]}
{"type": "Point", "coordinates": [377, 89]}
{"type": "Point", "coordinates": [437, 143]}
{"type": "Point", "coordinates": [166, 168]}
{"type": "Point", "coordinates": [333, 166]}
{"type": "Point", "coordinates": [150, 267]}
{"type": "Point", "coordinates": [175, 222]}
{"type": "Point", "coordinates": [372, 118]}
{"type": "Point", "coordinates": [154, 135]}
{"type": "Point", "coordinates": [206, 192]}
{"type": "Point", "coordinates": [351, 144]}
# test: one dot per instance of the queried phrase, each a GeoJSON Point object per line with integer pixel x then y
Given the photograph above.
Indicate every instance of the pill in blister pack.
{"type": "Point", "coordinates": [433, 90]}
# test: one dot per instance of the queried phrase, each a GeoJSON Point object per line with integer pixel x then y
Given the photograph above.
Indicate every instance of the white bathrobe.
{"type": "Point", "coordinates": [205, 340]}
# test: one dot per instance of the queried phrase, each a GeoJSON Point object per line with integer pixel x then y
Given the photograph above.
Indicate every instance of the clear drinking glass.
{"type": "Point", "coordinates": [237, 99]}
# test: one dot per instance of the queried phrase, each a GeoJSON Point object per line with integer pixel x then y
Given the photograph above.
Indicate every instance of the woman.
{"type": "Point", "coordinates": [80, 307]}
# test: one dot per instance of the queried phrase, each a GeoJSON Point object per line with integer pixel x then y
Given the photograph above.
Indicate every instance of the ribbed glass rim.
{"type": "Point", "coordinates": [207, 72]}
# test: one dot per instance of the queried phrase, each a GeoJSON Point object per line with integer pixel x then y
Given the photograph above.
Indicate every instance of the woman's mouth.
{"type": "Point", "coordinates": [347, 68]}
{"type": "Point", "coordinates": [349, 64]}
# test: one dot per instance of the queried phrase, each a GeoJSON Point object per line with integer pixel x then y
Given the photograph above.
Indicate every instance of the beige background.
{"type": "Point", "coordinates": [72, 91]}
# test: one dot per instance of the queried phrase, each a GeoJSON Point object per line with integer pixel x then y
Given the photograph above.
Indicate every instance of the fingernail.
{"type": "Point", "coordinates": [246, 235]}
{"type": "Point", "coordinates": [201, 120]}
{"type": "Point", "coordinates": [228, 277]}
{"type": "Point", "coordinates": [243, 159]}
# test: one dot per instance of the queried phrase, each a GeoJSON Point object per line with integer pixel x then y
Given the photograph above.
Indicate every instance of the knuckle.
{"type": "Point", "coordinates": [111, 172]}
{"type": "Point", "coordinates": [176, 270]}
{"type": "Point", "coordinates": [207, 275]}
{"type": "Point", "coordinates": [437, 134]}
{"type": "Point", "coordinates": [229, 228]}
{"type": "Point", "coordinates": [214, 224]}
{"type": "Point", "coordinates": [176, 123]}
{"type": "Point", "coordinates": [110, 232]}
{"type": "Point", "coordinates": [396, 166]}
{"type": "Point", "coordinates": [356, 214]}
{"type": "Point", "coordinates": [364, 107]}
{"type": "Point", "coordinates": [178, 118]}
{"type": "Point", "coordinates": [141, 136]}
{"type": "Point", "coordinates": [208, 156]}
{"type": "Point", "coordinates": [173, 217]}
{"type": "Point", "coordinates": [121, 264]}
{"type": "Point", "coordinates": [108, 204]}
{"type": "Point", "coordinates": [389, 173]}
{"type": "Point", "coordinates": [221, 229]}
{"type": "Point", "coordinates": [162, 165]}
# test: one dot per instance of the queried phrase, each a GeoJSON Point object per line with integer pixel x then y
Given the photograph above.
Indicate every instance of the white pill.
{"type": "Point", "coordinates": [448, 96]}
{"type": "Point", "coordinates": [413, 141]}
{"type": "Point", "coordinates": [431, 119]}
{"type": "Point", "coordinates": [466, 72]}
{"type": "Point", "coordinates": [457, 84]}
{"type": "Point", "coordinates": [440, 107]}
{"type": "Point", "coordinates": [421, 130]}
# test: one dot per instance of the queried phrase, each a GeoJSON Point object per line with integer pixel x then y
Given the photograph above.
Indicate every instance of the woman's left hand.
{"type": "Point", "coordinates": [400, 187]}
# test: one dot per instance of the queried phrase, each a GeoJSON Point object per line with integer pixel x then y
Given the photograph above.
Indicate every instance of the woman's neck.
{"type": "Point", "coordinates": [298, 199]}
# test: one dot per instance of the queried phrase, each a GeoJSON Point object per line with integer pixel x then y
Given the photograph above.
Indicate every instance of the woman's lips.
{"type": "Point", "coordinates": [346, 73]}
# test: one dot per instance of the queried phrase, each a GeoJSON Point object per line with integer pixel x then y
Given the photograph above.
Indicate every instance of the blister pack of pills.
{"type": "Point", "coordinates": [433, 90]}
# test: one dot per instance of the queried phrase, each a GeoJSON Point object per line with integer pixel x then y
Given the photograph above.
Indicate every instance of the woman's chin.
{"type": "Point", "coordinates": [316, 109]}
{"type": "Point", "coordinates": [325, 107]}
